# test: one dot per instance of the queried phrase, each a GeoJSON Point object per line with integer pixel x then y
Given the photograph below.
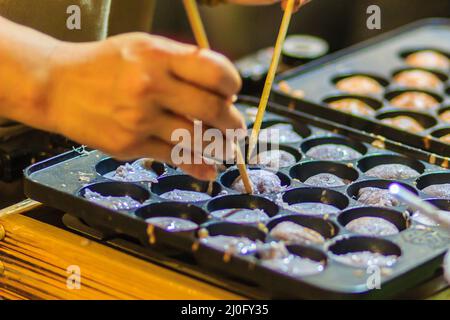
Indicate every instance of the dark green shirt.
{"type": "Point", "coordinates": [99, 18]}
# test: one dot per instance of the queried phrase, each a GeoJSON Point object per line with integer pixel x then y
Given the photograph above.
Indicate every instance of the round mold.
{"type": "Point", "coordinates": [314, 142]}
{"type": "Point", "coordinates": [326, 228]}
{"type": "Point", "coordinates": [349, 244]}
{"type": "Point", "coordinates": [293, 151]}
{"type": "Point", "coordinates": [319, 195]}
{"type": "Point", "coordinates": [185, 182]}
{"type": "Point", "coordinates": [369, 162]}
{"type": "Point", "coordinates": [439, 133]}
{"type": "Point", "coordinates": [353, 189]}
{"type": "Point", "coordinates": [243, 201]}
{"type": "Point", "coordinates": [108, 165]}
{"type": "Point", "coordinates": [381, 80]}
{"type": "Point", "coordinates": [442, 76]}
{"type": "Point", "coordinates": [394, 93]}
{"type": "Point", "coordinates": [442, 204]}
{"type": "Point", "coordinates": [371, 102]}
{"type": "Point", "coordinates": [442, 110]}
{"type": "Point", "coordinates": [430, 179]}
{"type": "Point", "coordinates": [301, 251]}
{"type": "Point", "coordinates": [302, 130]}
{"type": "Point", "coordinates": [307, 169]}
{"type": "Point", "coordinates": [308, 252]}
{"type": "Point", "coordinates": [173, 209]}
{"type": "Point", "coordinates": [233, 230]}
{"type": "Point", "coordinates": [424, 119]}
{"type": "Point", "coordinates": [118, 189]}
{"type": "Point", "coordinates": [390, 215]}
{"type": "Point", "coordinates": [231, 175]}
{"type": "Point", "coordinates": [405, 53]}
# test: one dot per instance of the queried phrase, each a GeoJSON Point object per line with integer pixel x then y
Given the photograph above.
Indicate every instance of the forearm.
{"type": "Point", "coordinates": [24, 55]}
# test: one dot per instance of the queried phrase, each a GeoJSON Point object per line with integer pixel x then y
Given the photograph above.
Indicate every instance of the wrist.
{"type": "Point", "coordinates": [25, 82]}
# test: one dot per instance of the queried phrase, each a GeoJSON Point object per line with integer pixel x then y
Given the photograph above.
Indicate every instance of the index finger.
{"type": "Point", "coordinates": [208, 70]}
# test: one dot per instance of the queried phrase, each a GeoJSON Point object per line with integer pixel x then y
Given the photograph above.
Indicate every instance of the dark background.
{"type": "Point", "coordinates": [237, 30]}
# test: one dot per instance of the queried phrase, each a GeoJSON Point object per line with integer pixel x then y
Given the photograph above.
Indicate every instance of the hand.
{"type": "Point", "coordinates": [298, 3]}
{"type": "Point", "coordinates": [126, 95]}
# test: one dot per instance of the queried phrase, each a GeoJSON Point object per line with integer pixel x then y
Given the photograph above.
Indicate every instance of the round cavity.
{"type": "Point", "coordinates": [325, 228]}
{"type": "Point", "coordinates": [443, 134]}
{"type": "Point", "coordinates": [434, 99]}
{"type": "Point", "coordinates": [444, 113]}
{"type": "Point", "coordinates": [185, 183]}
{"type": "Point", "coordinates": [394, 217]}
{"type": "Point", "coordinates": [300, 261]}
{"type": "Point", "coordinates": [229, 177]}
{"type": "Point", "coordinates": [375, 197]}
{"type": "Point", "coordinates": [307, 145]}
{"type": "Point", "coordinates": [309, 169]}
{"type": "Point", "coordinates": [231, 238]}
{"type": "Point", "coordinates": [435, 78]}
{"type": "Point", "coordinates": [233, 230]}
{"type": "Point", "coordinates": [308, 252]}
{"type": "Point", "coordinates": [353, 189]}
{"type": "Point", "coordinates": [367, 163]}
{"type": "Point", "coordinates": [173, 210]}
{"type": "Point", "coordinates": [382, 81]}
{"type": "Point", "coordinates": [237, 201]}
{"type": "Point", "coordinates": [425, 120]}
{"type": "Point", "coordinates": [407, 52]}
{"type": "Point", "coordinates": [435, 184]}
{"type": "Point", "coordinates": [316, 195]}
{"type": "Point", "coordinates": [371, 102]}
{"type": "Point", "coordinates": [274, 163]}
{"type": "Point", "coordinates": [442, 204]}
{"type": "Point", "coordinates": [357, 244]}
{"type": "Point", "coordinates": [301, 130]}
{"type": "Point", "coordinates": [107, 167]}
{"type": "Point", "coordinates": [108, 190]}
{"type": "Point", "coordinates": [426, 57]}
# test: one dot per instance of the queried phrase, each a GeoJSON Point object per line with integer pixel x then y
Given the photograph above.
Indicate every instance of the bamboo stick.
{"type": "Point", "coordinates": [202, 41]}
{"type": "Point", "coordinates": [270, 76]}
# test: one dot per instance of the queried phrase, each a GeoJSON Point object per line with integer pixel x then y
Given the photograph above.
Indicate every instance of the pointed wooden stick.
{"type": "Point", "coordinates": [202, 40]}
{"type": "Point", "coordinates": [270, 76]}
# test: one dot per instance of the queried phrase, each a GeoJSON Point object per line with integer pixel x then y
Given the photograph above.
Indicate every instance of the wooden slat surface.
{"type": "Point", "coordinates": [34, 258]}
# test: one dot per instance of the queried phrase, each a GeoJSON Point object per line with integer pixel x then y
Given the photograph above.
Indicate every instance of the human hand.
{"type": "Point", "coordinates": [126, 95]}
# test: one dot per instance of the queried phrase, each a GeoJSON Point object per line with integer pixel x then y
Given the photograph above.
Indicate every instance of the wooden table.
{"type": "Point", "coordinates": [35, 257]}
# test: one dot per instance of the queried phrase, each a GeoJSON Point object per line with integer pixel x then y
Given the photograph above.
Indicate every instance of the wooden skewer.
{"type": "Point", "coordinates": [270, 76]}
{"type": "Point", "coordinates": [202, 40]}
